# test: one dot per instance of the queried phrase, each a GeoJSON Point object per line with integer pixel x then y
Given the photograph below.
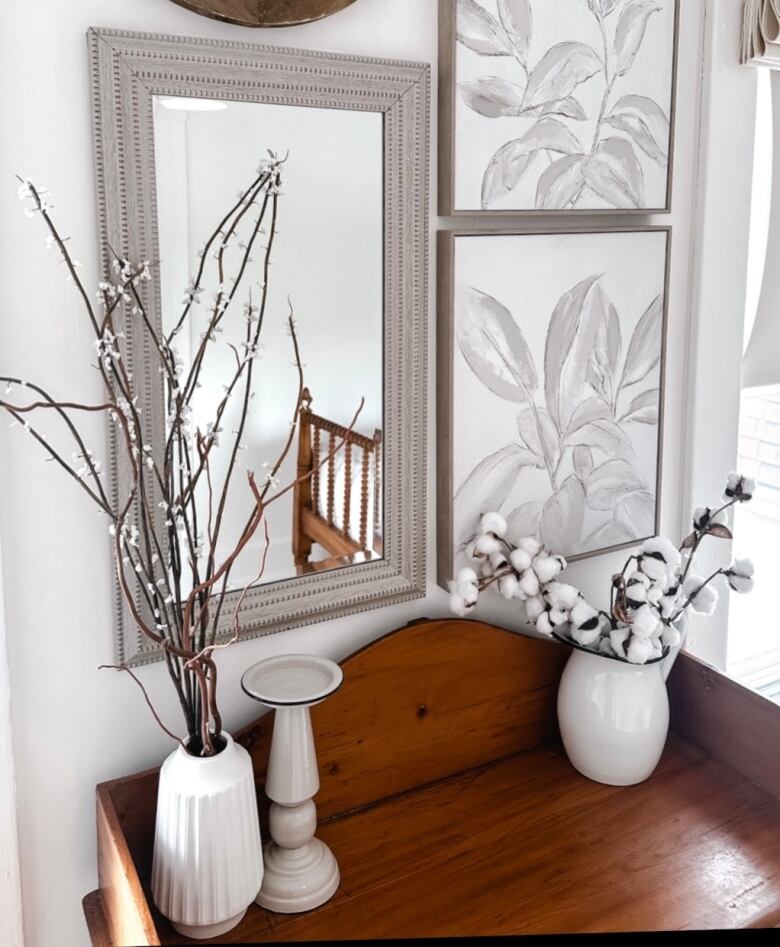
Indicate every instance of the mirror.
{"type": "Point", "coordinates": [334, 271]}
{"type": "Point", "coordinates": [326, 267]}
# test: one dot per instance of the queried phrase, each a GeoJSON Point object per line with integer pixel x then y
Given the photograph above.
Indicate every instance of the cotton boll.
{"type": "Point", "coordinates": [639, 579]}
{"type": "Point", "coordinates": [558, 617]}
{"type": "Point", "coordinates": [670, 600]}
{"type": "Point", "coordinates": [529, 583]}
{"type": "Point", "coordinates": [740, 575]}
{"type": "Point", "coordinates": [562, 596]}
{"type": "Point", "coordinates": [637, 587]}
{"type": "Point", "coordinates": [605, 647]}
{"type": "Point", "coordinates": [585, 637]}
{"type": "Point", "coordinates": [669, 605]}
{"type": "Point", "coordinates": [530, 545]}
{"type": "Point", "coordinates": [586, 623]}
{"type": "Point", "coordinates": [493, 523]}
{"type": "Point", "coordinates": [741, 584]}
{"type": "Point", "coordinates": [654, 594]}
{"type": "Point", "coordinates": [739, 487]}
{"type": "Point", "coordinates": [704, 598]}
{"type": "Point", "coordinates": [704, 516]}
{"type": "Point", "coordinates": [639, 650]}
{"type": "Point", "coordinates": [701, 516]}
{"type": "Point", "coordinates": [466, 586]}
{"type": "Point", "coordinates": [672, 586]}
{"type": "Point", "coordinates": [498, 560]}
{"type": "Point", "coordinates": [509, 587]}
{"type": "Point", "coordinates": [470, 593]}
{"type": "Point", "coordinates": [617, 638]}
{"type": "Point", "coordinates": [534, 607]}
{"type": "Point", "coordinates": [487, 545]}
{"type": "Point", "coordinates": [748, 488]}
{"type": "Point", "coordinates": [584, 614]}
{"type": "Point", "coordinates": [547, 567]}
{"type": "Point", "coordinates": [658, 551]}
{"type": "Point", "coordinates": [653, 568]}
{"type": "Point", "coordinates": [458, 605]}
{"type": "Point", "coordinates": [544, 625]}
{"type": "Point", "coordinates": [520, 560]}
{"type": "Point", "coordinates": [539, 565]}
{"type": "Point", "coordinates": [644, 622]}
{"type": "Point", "coordinates": [671, 636]}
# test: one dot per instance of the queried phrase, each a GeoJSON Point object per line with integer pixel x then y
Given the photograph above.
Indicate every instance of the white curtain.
{"type": "Point", "coordinates": [761, 33]}
{"type": "Point", "coordinates": [761, 47]}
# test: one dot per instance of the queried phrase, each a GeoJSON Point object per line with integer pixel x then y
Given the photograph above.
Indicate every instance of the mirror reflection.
{"type": "Point", "coordinates": [318, 261]}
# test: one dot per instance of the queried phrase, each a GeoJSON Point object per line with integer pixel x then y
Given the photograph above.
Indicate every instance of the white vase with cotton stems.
{"type": "Point", "coordinates": [613, 708]}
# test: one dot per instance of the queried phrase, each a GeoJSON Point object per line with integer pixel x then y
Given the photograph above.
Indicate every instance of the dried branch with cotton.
{"type": "Point", "coordinates": [170, 574]}
{"type": "Point", "coordinates": [649, 596]}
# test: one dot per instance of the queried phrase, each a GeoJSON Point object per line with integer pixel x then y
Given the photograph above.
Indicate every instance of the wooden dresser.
{"type": "Point", "coordinates": [452, 808]}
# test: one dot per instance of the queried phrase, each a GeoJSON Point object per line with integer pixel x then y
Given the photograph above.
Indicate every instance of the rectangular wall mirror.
{"type": "Point", "coordinates": [185, 129]}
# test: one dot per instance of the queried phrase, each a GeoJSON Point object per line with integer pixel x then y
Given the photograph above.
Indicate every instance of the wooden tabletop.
{"type": "Point", "coordinates": [518, 844]}
{"type": "Point", "coordinates": [526, 845]}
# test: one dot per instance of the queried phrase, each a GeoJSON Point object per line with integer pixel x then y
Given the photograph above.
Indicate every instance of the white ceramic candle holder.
{"type": "Point", "coordinates": [301, 872]}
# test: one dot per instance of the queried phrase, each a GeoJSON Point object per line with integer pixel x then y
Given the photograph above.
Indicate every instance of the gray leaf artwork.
{"type": "Point", "coordinates": [562, 106]}
{"type": "Point", "coordinates": [558, 342]}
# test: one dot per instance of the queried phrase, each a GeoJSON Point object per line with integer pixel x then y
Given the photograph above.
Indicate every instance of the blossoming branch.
{"type": "Point", "coordinates": [170, 575]}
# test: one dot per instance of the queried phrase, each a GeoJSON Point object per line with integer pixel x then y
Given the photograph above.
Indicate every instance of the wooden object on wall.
{"type": "Point", "coordinates": [265, 12]}
{"type": "Point", "coordinates": [419, 705]}
{"type": "Point", "coordinates": [453, 811]}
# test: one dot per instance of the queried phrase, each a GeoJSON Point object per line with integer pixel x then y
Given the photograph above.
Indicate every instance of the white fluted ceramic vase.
{"type": "Point", "coordinates": [613, 717]}
{"type": "Point", "coordinates": [208, 864]}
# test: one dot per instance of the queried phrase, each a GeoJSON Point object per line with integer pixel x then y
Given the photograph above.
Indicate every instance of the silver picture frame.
{"type": "Point", "coordinates": [448, 204]}
{"type": "Point", "coordinates": [447, 421]}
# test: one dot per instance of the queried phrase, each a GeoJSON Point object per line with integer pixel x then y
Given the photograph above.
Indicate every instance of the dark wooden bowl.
{"type": "Point", "coordinates": [265, 12]}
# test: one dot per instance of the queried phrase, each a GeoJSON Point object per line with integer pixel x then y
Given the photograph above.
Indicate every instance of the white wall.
{"type": "Point", "coordinates": [75, 726]}
{"type": "Point", "coordinates": [10, 881]}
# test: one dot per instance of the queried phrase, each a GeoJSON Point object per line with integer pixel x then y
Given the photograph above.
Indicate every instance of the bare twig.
{"type": "Point", "coordinates": [124, 667]}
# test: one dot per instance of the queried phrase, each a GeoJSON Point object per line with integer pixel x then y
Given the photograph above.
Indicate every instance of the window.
{"type": "Point", "coordinates": [753, 652]}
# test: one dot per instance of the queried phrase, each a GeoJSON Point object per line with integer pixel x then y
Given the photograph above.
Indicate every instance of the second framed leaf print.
{"type": "Point", "coordinates": [556, 105]}
{"type": "Point", "coordinates": [551, 369]}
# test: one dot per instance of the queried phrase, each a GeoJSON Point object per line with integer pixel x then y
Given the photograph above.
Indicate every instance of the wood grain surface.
{"type": "Point", "coordinates": [452, 810]}
{"type": "Point", "coordinates": [526, 845]}
{"type": "Point", "coordinates": [736, 724]}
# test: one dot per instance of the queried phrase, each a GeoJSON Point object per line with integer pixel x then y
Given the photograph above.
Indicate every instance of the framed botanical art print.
{"type": "Point", "coordinates": [563, 106]}
{"type": "Point", "coordinates": [551, 371]}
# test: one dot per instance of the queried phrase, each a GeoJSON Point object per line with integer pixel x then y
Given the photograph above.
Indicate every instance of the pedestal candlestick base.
{"type": "Point", "coordinates": [298, 879]}
{"type": "Point", "coordinates": [301, 872]}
